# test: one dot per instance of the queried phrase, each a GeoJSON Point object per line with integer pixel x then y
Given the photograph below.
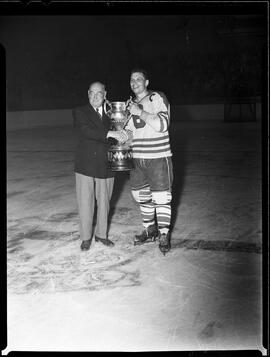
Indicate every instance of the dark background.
{"type": "Point", "coordinates": [198, 55]}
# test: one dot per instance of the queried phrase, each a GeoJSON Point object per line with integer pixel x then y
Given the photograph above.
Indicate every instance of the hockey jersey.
{"type": "Point", "coordinates": [148, 143]}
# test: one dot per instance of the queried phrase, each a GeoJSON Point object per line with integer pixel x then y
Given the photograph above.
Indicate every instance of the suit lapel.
{"type": "Point", "coordinates": [93, 115]}
{"type": "Point", "coordinates": [106, 120]}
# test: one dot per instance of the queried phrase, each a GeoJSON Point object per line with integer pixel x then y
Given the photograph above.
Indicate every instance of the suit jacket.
{"type": "Point", "coordinates": [91, 157]}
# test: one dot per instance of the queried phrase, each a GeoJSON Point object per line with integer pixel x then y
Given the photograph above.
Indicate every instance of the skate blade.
{"type": "Point", "coordinates": [152, 240]}
{"type": "Point", "coordinates": [164, 251]}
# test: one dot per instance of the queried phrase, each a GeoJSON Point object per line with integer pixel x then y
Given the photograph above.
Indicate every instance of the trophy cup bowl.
{"type": "Point", "coordinates": [119, 155]}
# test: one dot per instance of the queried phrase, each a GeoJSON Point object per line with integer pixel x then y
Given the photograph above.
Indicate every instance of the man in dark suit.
{"type": "Point", "coordinates": [94, 180]}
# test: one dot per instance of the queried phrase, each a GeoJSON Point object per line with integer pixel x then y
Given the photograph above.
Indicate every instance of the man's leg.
{"type": "Point", "coordinates": [103, 189]}
{"type": "Point", "coordinates": [86, 204]}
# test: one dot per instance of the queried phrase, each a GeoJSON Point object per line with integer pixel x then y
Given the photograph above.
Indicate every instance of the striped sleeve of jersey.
{"type": "Point", "coordinates": [162, 108]}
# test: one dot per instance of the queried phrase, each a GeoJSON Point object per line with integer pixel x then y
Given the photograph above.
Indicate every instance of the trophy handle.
{"type": "Point", "coordinates": [106, 102]}
{"type": "Point", "coordinates": [127, 112]}
{"type": "Point", "coordinates": [127, 104]}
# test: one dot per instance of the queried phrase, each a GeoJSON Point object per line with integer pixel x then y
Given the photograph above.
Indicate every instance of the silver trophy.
{"type": "Point", "coordinates": [119, 155]}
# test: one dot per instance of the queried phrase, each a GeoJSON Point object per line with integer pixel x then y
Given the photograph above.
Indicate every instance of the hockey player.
{"type": "Point", "coordinates": [152, 176]}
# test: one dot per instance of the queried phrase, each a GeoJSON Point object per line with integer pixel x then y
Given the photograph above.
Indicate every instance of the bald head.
{"type": "Point", "coordinates": [99, 85]}
{"type": "Point", "coordinates": [96, 94]}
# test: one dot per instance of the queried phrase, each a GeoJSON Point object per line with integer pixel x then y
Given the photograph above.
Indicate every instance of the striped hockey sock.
{"type": "Point", "coordinates": [148, 213]}
{"type": "Point", "coordinates": [163, 217]}
{"type": "Point", "coordinates": [144, 197]}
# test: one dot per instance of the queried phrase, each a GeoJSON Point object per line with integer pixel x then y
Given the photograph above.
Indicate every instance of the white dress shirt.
{"type": "Point", "coordinates": [99, 110]}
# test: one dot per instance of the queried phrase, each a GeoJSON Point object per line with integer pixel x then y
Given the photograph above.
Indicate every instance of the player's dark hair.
{"type": "Point", "coordinates": [140, 70]}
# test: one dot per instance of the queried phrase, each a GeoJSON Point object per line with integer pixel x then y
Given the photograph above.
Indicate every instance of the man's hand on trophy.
{"type": "Point", "coordinates": [111, 134]}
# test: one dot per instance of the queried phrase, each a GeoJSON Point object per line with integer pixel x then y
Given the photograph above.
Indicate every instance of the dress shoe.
{"type": "Point", "coordinates": [105, 241]}
{"type": "Point", "coordinates": [86, 244]}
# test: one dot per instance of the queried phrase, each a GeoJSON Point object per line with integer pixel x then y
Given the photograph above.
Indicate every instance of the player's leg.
{"type": "Point", "coordinates": [141, 193]}
{"type": "Point", "coordinates": [161, 189]}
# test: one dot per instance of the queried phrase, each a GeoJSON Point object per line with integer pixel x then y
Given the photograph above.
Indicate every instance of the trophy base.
{"type": "Point", "coordinates": [120, 168]}
{"type": "Point", "coordinates": [120, 158]}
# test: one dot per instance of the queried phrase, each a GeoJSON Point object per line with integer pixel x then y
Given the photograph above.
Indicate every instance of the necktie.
{"type": "Point", "coordinates": [98, 113]}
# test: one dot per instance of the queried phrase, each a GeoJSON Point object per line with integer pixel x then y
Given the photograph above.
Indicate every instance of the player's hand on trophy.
{"type": "Point", "coordinates": [119, 135]}
{"type": "Point", "coordinates": [124, 137]}
{"type": "Point", "coordinates": [134, 109]}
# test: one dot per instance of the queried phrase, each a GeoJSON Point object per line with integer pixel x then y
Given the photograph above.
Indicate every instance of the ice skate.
{"type": "Point", "coordinates": [149, 234]}
{"type": "Point", "coordinates": [164, 242]}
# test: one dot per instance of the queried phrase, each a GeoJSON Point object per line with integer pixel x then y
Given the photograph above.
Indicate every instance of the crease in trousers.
{"type": "Point", "coordinates": [88, 191]}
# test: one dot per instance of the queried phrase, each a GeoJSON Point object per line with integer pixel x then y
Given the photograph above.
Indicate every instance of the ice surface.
{"type": "Point", "coordinates": [206, 293]}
